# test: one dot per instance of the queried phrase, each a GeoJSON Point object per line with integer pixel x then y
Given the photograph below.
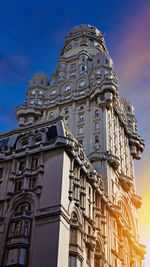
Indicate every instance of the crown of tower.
{"type": "Point", "coordinates": [84, 36]}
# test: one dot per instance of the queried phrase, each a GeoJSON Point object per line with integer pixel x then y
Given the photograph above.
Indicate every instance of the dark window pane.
{"type": "Point", "coordinates": [12, 257]}
{"type": "Point", "coordinates": [18, 186]}
{"type": "Point", "coordinates": [22, 256]}
{"type": "Point", "coordinates": [17, 228]}
{"type": "Point", "coordinates": [72, 261]}
{"type": "Point", "coordinates": [25, 230]}
{"type": "Point", "coordinates": [34, 163]}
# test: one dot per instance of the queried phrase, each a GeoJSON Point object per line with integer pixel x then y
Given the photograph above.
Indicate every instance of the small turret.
{"type": "Point", "coordinates": [32, 110]}
{"type": "Point", "coordinates": [130, 114]}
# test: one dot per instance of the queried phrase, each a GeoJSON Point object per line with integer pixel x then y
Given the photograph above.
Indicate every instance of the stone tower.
{"type": "Point", "coordinates": [80, 108]}
{"type": "Point", "coordinates": [84, 90]}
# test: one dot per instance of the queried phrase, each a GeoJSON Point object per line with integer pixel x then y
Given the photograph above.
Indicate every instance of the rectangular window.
{"type": "Point", "coordinates": [12, 257]}
{"type": "Point", "coordinates": [15, 229]}
{"type": "Point", "coordinates": [96, 139]}
{"type": "Point", "coordinates": [96, 113]}
{"type": "Point", "coordinates": [34, 163]}
{"type": "Point", "coordinates": [22, 256]}
{"type": "Point", "coordinates": [32, 183]}
{"type": "Point", "coordinates": [21, 167]}
{"type": "Point", "coordinates": [73, 236]}
{"type": "Point", "coordinates": [96, 125]}
{"type": "Point", "coordinates": [72, 261]}
{"type": "Point", "coordinates": [75, 171]}
{"type": "Point", "coordinates": [79, 238]}
{"type": "Point", "coordinates": [18, 186]}
{"type": "Point", "coordinates": [80, 130]}
{"type": "Point", "coordinates": [81, 118]}
{"type": "Point", "coordinates": [25, 228]}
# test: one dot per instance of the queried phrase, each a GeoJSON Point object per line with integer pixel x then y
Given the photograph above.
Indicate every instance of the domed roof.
{"type": "Point", "coordinates": [87, 32]}
{"type": "Point", "coordinates": [84, 28]}
{"type": "Point", "coordinates": [39, 78]}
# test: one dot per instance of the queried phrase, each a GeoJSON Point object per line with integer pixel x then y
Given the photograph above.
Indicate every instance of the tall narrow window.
{"type": "Point", "coordinates": [96, 125]}
{"type": "Point", "coordinates": [32, 183]}
{"type": "Point", "coordinates": [18, 185]}
{"type": "Point", "coordinates": [72, 261]}
{"type": "Point", "coordinates": [75, 240]}
{"type": "Point", "coordinates": [25, 228]}
{"type": "Point", "coordinates": [80, 130]}
{"type": "Point", "coordinates": [96, 113]}
{"type": "Point", "coordinates": [34, 163]}
{"type": "Point", "coordinates": [12, 257]}
{"type": "Point", "coordinates": [17, 228]}
{"type": "Point", "coordinates": [81, 117]}
{"type": "Point", "coordinates": [96, 139]}
{"type": "Point", "coordinates": [16, 247]}
{"type": "Point", "coordinates": [21, 166]}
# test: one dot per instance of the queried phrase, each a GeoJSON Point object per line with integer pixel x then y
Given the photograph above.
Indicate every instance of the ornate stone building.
{"type": "Point", "coordinates": [67, 184]}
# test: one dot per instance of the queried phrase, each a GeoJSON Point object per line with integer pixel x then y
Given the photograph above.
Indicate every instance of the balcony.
{"type": "Point", "coordinates": [90, 241]}
{"type": "Point", "coordinates": [137, 201]}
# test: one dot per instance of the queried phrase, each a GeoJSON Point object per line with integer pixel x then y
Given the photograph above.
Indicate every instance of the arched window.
{"type": "Point", "coordinates": [18, 236]}
{"type": "Point", "coordinates": [75, 241]}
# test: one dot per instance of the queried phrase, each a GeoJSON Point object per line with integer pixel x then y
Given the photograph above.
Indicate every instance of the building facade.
{"type": "Point", "coordinates": [67, 184]}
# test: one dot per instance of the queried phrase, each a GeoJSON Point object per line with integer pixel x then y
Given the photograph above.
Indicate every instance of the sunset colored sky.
{"type": "Point", "coordinates": [31, 36]}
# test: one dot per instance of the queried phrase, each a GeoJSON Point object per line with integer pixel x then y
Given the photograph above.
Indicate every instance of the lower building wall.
{"type": "Point", "coordinates": [44, 249]}
{"type": "Point", "coordinates": [63, 250]}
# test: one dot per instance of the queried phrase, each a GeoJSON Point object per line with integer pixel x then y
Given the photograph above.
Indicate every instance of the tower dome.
{"type": "Point", "coordinates": [39, 79]}
{"type": "Point", "coordinates": [84, 37]}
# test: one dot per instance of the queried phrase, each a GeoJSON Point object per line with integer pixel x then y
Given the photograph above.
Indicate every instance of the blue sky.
{"type": "Point", "coordinates": [32, 34]}
{"type": "Point", "coordinates": [31, 37]}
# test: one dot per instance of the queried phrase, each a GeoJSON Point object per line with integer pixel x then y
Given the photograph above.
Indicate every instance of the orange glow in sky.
{"type": "Point", "coordinates": [133, 70]}
{"type": "Point", "coordinates": [144, 220]}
